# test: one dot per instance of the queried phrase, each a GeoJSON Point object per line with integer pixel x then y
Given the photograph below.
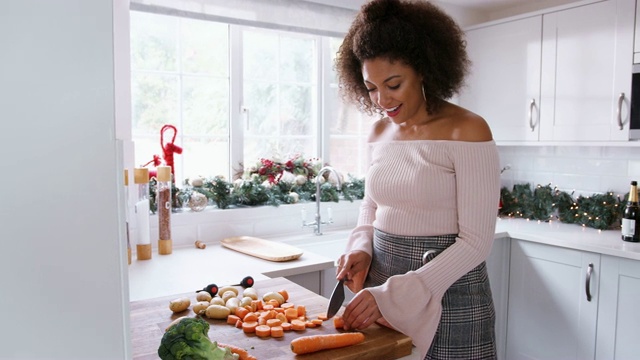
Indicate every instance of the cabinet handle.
{"type": "Point", "coordinates": [619, 110]}
{"type": "Point", "coordinates": [532, 106]}
{"type": "Point", "coordinates": [587, 284]}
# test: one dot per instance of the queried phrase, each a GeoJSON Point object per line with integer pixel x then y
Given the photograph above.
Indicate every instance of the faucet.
{"type": "Point", "coordinates": [316, 224]}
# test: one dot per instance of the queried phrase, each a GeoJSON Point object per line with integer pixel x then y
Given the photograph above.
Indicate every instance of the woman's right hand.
{"type": "Point", "coordinates": [353, 267]}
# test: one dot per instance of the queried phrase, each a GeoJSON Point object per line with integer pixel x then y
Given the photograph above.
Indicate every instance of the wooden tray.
{"type": "Point", "coordinates": [261, 248]}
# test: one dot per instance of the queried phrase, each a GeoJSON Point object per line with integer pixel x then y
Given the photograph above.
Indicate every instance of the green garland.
{"type": "Point", "coordinates": [598, 211]}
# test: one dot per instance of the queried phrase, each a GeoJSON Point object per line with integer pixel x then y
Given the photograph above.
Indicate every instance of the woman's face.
{"type": "Point", "coordinates": [396, 88]}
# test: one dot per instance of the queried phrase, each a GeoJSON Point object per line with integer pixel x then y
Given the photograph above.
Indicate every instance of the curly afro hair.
{"type": "Point", "coordinates": [414, 32]}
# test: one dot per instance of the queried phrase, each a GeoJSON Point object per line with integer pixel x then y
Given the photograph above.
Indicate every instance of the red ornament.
{"type": "Point", "coordinates": [169, 148]}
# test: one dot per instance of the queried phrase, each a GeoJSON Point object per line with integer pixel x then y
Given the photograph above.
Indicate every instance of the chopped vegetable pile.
{"type": "Point", "coordinates": [188, 339]}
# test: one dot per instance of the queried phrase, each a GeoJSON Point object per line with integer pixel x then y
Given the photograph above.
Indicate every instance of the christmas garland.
{"type": "Point", "coordinates": [269, 182]}
{"type": "Point", "coordinates": [598, 211]}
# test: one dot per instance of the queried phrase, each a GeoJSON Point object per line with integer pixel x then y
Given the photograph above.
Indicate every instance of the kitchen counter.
{"type": "Point", "coordinates": [189, 269]}
{"type": "Point", "coordinates": [606, 242]}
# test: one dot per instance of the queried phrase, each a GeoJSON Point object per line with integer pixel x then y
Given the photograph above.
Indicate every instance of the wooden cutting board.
{"type": "Point", "coordinates": [149, 318]}
{"type": "Point", "coordinates": [261, 248]}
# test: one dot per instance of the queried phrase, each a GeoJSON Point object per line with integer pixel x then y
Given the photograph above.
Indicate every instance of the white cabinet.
{"type": "Point", "coordinates": [550, 316]}
{"type": "Point", "coordinates": [505, 77]}
{"type": "Point", "coordinates": [586, 72]}
{"type": "Point", "coordinates": [619, 313]}
{"type": "Point", "coordinates": [498, 270]}
{"type": "Point", "coordinates": [636, 43]}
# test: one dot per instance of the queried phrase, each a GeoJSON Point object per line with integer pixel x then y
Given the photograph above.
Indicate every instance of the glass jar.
{"type": "Point", "coordinates": [142, 209]}
{"type": "Point", "coordinates": [164, 200]}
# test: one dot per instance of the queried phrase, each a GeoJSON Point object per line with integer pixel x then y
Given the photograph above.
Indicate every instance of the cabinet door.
{"type": "Point", "coordinates": [587, 57]}
{"type": "Point", "coordinates": [619, 310]}
{"type": "Point", "coordinates": [498, 270]}
{"type": "Point", "coordinates": [505, 77]}
{"type": "Point", "coordinates": [550, 316]}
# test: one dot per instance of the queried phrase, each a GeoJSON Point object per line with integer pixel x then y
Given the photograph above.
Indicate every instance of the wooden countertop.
{"type": "Point", "coordinates": [150, 317]}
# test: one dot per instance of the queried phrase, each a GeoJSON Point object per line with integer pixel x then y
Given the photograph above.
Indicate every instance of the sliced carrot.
{"type": "Point", "coordinates": [274, 322]}
{"type": "Point", "coordinates": [323, 317]}
{"type": "Point", "coordinates": [242, 353]}
{"type": "Point", "coordinates": [239, 324]}
{"type": "Point", "coordinates": [287, 305]}
{"type": "Point", "coordinates": [241, 312]}
{"type": "Point", "coordinates": [282, 318]}
{"type": "Point", "coordinates": [291, 314]}
{"type": "Point", "coordinates": [298, 325]}
{"type": "Point", "coordinates": [277, 331]}
{"type": "Point", "coordinates": [232, 319]}
{"type": "Point", "coordinates": [286, 326]}
{"type": "Point", "coordinates": [279, 310]}
{"type": "Point", "coordinates": [263, 331]}
{"type": "Point", "coordinates": [317, 321]}
{"type": "Point", "coordinates": [249, 326]}
{"type": "Point", "coordinates": [262, 321]}
{"type": "Point", "coordinates": [284, 294]}
{"type": "Point", "coordinates": [267, 306]}
{"type": "Point", "coordinates": [302, 311]}
{"type": "Point", "coordinates": [250, 317]}
{"type": "Point", "coordinates": [309, 324]}
{"type": "Point", "coordinates": [313, 343]}
{"type": "Point", "coordinates": [338, 322]}
{"type": "Point", "coordinates": [256, 304]}
{"type": "Point", "coordinates": [274, 303]}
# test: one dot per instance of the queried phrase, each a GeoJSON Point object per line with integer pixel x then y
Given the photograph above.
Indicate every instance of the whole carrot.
{"type": "Point", "coordinates": [312, 343]}
{"type": "Point", "coordinates": [242, 353]}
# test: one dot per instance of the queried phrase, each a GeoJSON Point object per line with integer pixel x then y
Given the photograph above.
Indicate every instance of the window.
{"type": "Point", "coordinates": [237, 94]}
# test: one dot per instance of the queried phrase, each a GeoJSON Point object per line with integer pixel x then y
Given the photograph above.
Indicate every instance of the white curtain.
{"type": "Point", "coordinates": [288, 15]}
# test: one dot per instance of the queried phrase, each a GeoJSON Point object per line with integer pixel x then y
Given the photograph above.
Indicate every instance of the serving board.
{"type": "Point", "coordinates": [261, 248]}
{"type": "Point", "coordinates": [149, 318]}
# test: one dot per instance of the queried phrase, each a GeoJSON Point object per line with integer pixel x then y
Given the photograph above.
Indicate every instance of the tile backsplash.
{"type": "Point", "coordinates": [583, 169]}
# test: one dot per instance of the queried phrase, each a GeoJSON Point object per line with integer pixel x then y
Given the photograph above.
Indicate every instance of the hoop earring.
{"type": "Point", "coordinates": [424, 96]}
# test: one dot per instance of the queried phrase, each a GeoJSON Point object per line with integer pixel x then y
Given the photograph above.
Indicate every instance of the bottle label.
{"type": "Point", "coordinates": [628, 227]}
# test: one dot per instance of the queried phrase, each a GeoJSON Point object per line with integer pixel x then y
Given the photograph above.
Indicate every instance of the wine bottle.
{"type": "Point", "coordinates": [631, 216]}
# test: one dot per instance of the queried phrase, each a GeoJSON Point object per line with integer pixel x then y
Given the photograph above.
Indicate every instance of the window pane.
{"type": "Point", "coordinates": [297, 115]}
{"type": "Point", "coordinates": [261, 100]}
{"type": "Point", "coordinates": [260, 55]}
{"type": "Point", "coordinates": [297, 59]}
{"type": "Point", "coordinates": [153, 42]}
{"type": "Point", "coordinates": [205, 157]}
{"type": "Point", "coordinates": [205, 109]}
{"type": "Point", "coordinates": [154, 102]}
{"type": "Point", "coordinates": [205, 47]}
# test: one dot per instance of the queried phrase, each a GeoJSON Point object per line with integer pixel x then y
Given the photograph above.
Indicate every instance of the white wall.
{"type": "Point", "coordinates": [585, 169]}
{"type": "Point", "coordinates": [62, 268]}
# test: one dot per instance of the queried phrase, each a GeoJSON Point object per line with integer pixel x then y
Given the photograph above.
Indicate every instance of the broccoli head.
{"type": "Point", "coordinates": [189, 340]}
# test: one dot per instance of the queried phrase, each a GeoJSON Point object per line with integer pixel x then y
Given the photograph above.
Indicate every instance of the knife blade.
{"type": "Point", "coordinates": [336, 300]}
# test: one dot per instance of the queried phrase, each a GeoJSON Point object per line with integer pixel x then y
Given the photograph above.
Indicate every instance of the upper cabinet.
{"type": "Point", "coordinates": [563, 76]}
{"type": "Point", "coordinates": [504, 83]}
{"type": "Point", "coordinates": [586, 72]}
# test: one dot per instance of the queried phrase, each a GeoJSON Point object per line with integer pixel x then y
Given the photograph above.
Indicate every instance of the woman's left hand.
{"type": "Point", "coordinates": [361, 312]}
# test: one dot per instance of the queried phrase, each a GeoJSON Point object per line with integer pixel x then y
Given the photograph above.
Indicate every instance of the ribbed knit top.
{"type": "Point", "coordinates": [424, 188]}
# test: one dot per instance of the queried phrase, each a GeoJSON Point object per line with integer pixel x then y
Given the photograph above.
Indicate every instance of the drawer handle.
{"type": "Point", "coordinates": [587, 284]}
{"type": "Point", "coordinates": [619, 110]}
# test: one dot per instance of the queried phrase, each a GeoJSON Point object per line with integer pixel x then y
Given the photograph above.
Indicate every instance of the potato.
{"type": "Point", "coordinates": [200, 307]}
{"type": "Point", "coordinates": [203, 296]}
{"type": "Point", "coordinates": [273, 295]}
{"type": "Point", "coordinates": [174, 322]}
{"type": "Point", "coordinates": [246, 301]}
{"type": "Point", "coordinates": [224, 289]}
{"type": "Point", "coordinates": [217, 312]}
{"type": "Point", "coordinates": [232, 304]}
{"type": "Point", "coordinates": [250, 292]}
{"type": "Point", "coordinates": [179, 305]}
{"type": "Point", "coordinates": [216, 300]}
{"type": "Point", "coordinates": [228, 295]}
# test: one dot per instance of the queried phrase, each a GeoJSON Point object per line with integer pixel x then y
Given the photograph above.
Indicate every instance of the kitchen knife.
{"type": "Point", "coordinates": [336, 300]}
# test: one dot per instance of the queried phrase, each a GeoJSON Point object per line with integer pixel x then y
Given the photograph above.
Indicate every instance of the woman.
{"type": "Point", "coordinates": [432, 187]}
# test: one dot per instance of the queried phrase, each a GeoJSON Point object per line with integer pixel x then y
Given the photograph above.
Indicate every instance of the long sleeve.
{"type": "Point", "coordinates": [459, 195]}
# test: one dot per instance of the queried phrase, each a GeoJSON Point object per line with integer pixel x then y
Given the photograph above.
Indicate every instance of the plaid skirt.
{"type": "Point", "coordinates": [467, 325]}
